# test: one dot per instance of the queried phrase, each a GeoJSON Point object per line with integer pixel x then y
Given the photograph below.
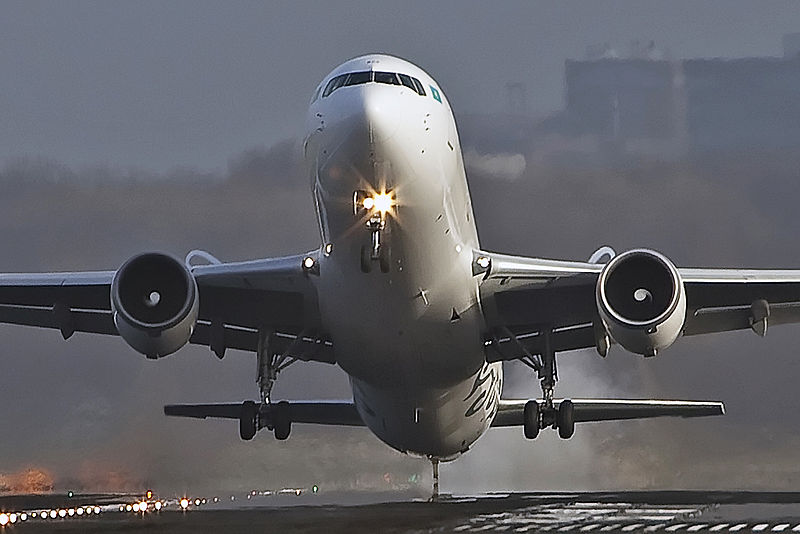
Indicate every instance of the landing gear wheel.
{"type": "Point", "coordinates": [385, 259]}
{"type": "Point", "coordinates": [247, 420]}
{"type": "Point", "coordinates": [366, 259]}
{"type": "Point", "coordinates": [281, 421]}
{"type": "Point", "coordinates": [565, 419]}
{"type": "Point", "coordinates": [531, 419]}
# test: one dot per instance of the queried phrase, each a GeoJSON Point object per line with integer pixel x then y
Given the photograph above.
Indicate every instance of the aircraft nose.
{"type": "Point", "coordinates": [379, 109]}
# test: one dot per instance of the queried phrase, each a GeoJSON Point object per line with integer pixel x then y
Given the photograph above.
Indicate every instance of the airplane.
{"type": "Point", "coordinates": [401, 296]}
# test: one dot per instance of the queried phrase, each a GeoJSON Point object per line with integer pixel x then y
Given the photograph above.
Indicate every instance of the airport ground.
{"type": "Point", "coordinates": [302, 511]}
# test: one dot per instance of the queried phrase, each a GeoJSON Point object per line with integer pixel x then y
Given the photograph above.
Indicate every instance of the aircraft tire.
{"type": "Point", "coordinates": [566, 419]}
{"type": "Point", "coordinates": [282, 423]}
{"type": "Point", "coordinates": [385, 259]}
{"type": "Point", "coordinates": [366, 259]}
{"type": "Point", "coordinates": [247, 420]}
{"type": "Point", "coordinates": [531, 419]}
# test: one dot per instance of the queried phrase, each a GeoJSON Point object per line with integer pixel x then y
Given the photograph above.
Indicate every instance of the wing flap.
{"type": "Point", "coordinates": [510, 412]}
{"type": "Point", "coordinates": [61, 318]}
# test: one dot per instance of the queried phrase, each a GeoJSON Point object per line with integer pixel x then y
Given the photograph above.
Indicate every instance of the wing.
{"type": "Point", "coordinates": [521, 297]}
{"type": "Point", "coordinates": [236, 300]}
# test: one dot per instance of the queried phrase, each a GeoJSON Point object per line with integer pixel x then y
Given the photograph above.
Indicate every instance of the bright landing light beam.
{"type": "Point", "coordinates": [381, 202]}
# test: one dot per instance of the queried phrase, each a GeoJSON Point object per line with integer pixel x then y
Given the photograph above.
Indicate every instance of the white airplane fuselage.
{"type": "Point", "coordinates": [410, 338]}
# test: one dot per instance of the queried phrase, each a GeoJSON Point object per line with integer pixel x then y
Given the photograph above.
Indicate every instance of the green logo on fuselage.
{"type": "Point", "coordinates": [436, 95]}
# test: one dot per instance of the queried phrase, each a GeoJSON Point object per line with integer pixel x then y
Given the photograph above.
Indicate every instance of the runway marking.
{"type": "Point", "coordinates": [737, 528]}
{"type": "Point", "coordinates": [591, 517]}
{"type": "Point", "coordinates": [796, 528]}
{"type": "Point", "coordinates": [717, 528]}
{"type": "Point", "coordinates": [676, 528]}
{"type": "Point", "coordinates": [697, 528]}
{"type": "Point", "coordinates": [781, 527]}
{"type": "Point", "coordinates": [760, 527]}
{"type": "Point", "coordinates": [631, 528]}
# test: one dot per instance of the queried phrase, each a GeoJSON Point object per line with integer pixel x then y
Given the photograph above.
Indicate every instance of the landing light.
{"type": "Point", "coordinates": [3, 520]}
{"type": "Point", "coordinates": [184, 503]}
{"type": "Point", "coordinates": [383, 202]}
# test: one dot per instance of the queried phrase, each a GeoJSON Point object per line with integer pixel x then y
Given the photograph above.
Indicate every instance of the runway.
{"type": "Point", "coordinates": [304, 511]}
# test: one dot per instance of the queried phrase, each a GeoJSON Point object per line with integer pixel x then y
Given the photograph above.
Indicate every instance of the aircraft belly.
{"type": "Point", "coordinates": [441, 423]}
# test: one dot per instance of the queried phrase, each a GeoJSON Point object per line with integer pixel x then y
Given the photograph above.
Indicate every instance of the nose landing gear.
{"type": "Point", "coordinates": [377, 206]}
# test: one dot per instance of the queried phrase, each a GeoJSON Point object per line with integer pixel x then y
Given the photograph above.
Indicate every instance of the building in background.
{"type": "Point", "coordinates": [645, 103]}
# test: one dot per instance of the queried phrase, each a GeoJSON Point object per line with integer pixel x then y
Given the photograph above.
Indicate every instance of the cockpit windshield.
{"type": "Point", "coordinates": [357, 78]}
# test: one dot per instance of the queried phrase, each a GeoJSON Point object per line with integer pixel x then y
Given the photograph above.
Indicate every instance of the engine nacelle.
{"type": "Point", "coordinates": [641, 301]}
{"type": "Point", "coordinates": [155, 302]}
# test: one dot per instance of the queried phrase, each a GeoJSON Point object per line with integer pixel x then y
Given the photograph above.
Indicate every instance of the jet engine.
{"type": "Point", "coordinates": [155, 302]}
{"type": "Point", "coordinates": [641, 301]}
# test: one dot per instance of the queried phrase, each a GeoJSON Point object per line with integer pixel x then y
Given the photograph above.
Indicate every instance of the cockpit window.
{"type": "Point", "coordinates": [420, 89]}
{"type": "Point", "coordinates": [357, 78]}
{"type": "Point", "coordinates": [334, 84]}
{"type": "Point", "coordinates": [386, 77]}
{"type": "Point", "coordinates": [405, 79]}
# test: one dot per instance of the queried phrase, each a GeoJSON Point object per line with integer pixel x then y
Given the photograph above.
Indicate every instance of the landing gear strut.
{"type": "Point", "coordinates": [538, 416]}
{"type": "Point", "coordinates": [275, 417]}
{"type": "Point", "coordinates": [378, 206]}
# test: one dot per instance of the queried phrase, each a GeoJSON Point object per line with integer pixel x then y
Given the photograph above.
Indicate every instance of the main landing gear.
{"type": "Point", "coordinates": [266, 414]}
{"type": "Point", "coordinates": [536, 415]}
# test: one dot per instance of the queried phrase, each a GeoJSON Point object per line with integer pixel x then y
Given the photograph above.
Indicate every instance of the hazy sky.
{"type": "Point", "coordinates": [188, 83]}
